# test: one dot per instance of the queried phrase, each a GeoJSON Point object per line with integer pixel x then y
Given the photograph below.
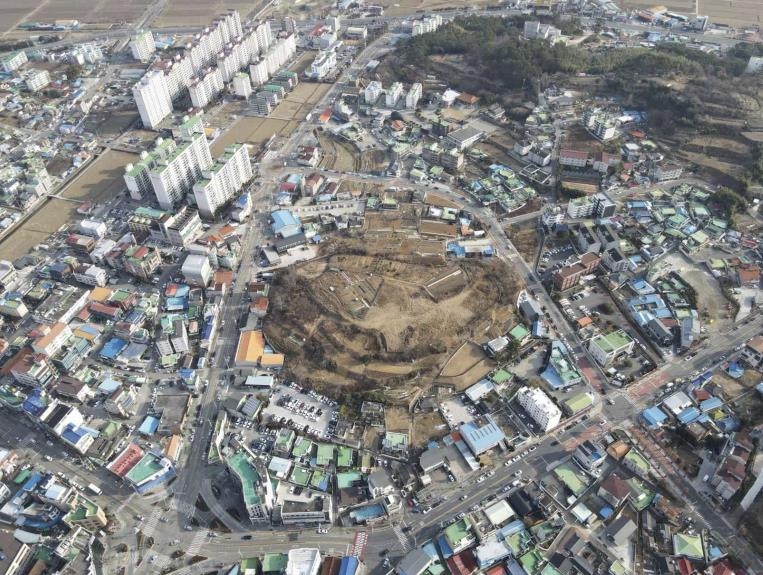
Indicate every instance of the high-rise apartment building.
{"type": "Point", "coordinates": [224, 180]}
{"type": "Point", "coordinates": [153, 99]}
{"type": "Point", "coordinates": [142, 45]}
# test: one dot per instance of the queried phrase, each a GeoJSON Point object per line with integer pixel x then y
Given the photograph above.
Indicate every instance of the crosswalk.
{"type": "Point", "coordinates": [404, 543]}
{"type": "Point", "coordinates": [196, 543]}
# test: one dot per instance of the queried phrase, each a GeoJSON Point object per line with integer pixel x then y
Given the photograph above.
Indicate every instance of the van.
{"type": "Point", "coordinates": [705, 478]}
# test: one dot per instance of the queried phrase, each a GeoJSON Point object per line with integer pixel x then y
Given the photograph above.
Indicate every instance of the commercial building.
{"type": "Point", "coordinates": [303, 561]}
{"type": "Point", "coordinates": [465, 137]}
{"type": "Point", "coordinates": [172, 337]}
{"type": "Point", "coordinates": [539, 406]}
{"type": "Point", "coordinates": [142, 45]}
{"type": "Point", "coordinates": [15, 553]}
{"type": "Point", "coordinates": [51, 342]}
{"type": "Point", "coordinates": [323, 65]}
{"type": "Point", "coordinates": [570, 276]}
{"type": "Point", "coordinates": [152, 96]}
{"type": "Point", "coordinates": [285, 224]}
{"type": "Point", "coordinates": [223, 181]}
{"type": "Point", "coordinates": [255, 485]}
{"type": "Point", "coordinates": [141, 261]}
{"type": "Point", "coordinates": [197, 270]}
{"type": "Point", "coordinates": [606, 348]}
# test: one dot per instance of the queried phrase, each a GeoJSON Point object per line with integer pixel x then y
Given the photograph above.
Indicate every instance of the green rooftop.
{"type": "Point", "coordinates": [531, 562]}
{"type": "Point", "coordinates": [22, 476]}
{"type": "Point", "coordinates": [325, 454]}
{"type": "Point", "coordinates": [300, 476]}
{"type": "Point", "coordinates": [345, 456]}
{"type": "Point", "coordinates": [501, 376]}
{"type": "Point", "coordinates": [274, 562]}
{"type": "Point", "coordinates": [317, 478]}
{"type": "Point", "coordinates": [84, 509]}
{"type": "Point", "coordinates": [613, 341]}
{"type": "Point", "coordinates": [145, 468]}
{"type": "Point", "coordinates": [519, 332]}
{"type": "Point", "coordinates": [252, 563]}
{"type": "Point", "coordinates": [457, 532]}
{"type": "Point", "coordinates": [302, 447]}
{"type": "Point", "coordinates": [240, 464]}
{"type": "Point", "coordinates": [617, 568]}
{"type": "Point", "coordinates": [688, 546]}
{"type": "Point", "coordinates": [578, 403]}
{"type": "Point", "coordinates": [348, 479]}
{"type": "Point", "coordinates": [570, 479]}
{"type": "Point", "coordinates": [637, 462]}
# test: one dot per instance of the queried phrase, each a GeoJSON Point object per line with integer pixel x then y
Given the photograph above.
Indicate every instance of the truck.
{"type": "Point", "coordinates": [94, 489]}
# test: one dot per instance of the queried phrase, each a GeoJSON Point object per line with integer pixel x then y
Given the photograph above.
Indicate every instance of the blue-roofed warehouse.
{"type": "Point", "coordinates": [112, 348]}
{"type": "Point", "coordinates": [654, 416]}
{"type": "Point", "coordinates": [348, 565]}
{"type": "Point", "coordinates": [149, 425]}
{"type": "Point", "coordinates": [285, 224]}
{"type": "Point", "coordinates": [710, 404]}
{"type": "Point", "coordinates": [688, 415]}
{"type": "Point", "coordinates": [480, 439]}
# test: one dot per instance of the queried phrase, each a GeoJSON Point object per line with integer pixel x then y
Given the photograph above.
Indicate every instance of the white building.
{"type": "Point", "coordinates": [335, 22]}
{"type": "Point", "coordinates": [178, 170]}
{"type": "Point", "coordinates": [142, 45]}
{"type": "Point", "coordinates": [540, 407]}
{"type": "Point", "coordinates": [323, 65]}
{"type": "Point", "coordinates": [426, 25]}
{"type": "Point", "coordinates": [222, 182]}
{"type": "Point", "coordinates": [279, 53]}
{"type": "Point", "coordinates": [197, 269]}
{"type": "Point", "coordinates": [12, 62]}
{"type": "Point", "coordinates": [533, 30]}
{"type": "Point", "coordinates": [242, 86]}
{"type": "Point", "coordinates": [393, 94]}
{"type": "Point", "coordinates": [303, 561]}
{"type": "Point", "coordinates": [580, 207]}
{"type": "Point", "coordinates": [552, 216]}
{"type": "Point", "coordinates": [258, 72]}
{"type": "Point", "coordinates": [372, 91]}
{"type": "Point", "coordinates": [37, 80]}
{"type": "Point", "coordinates": [91, 275]}
{"type": "Point", "coordinates": [153, 99]}
{"type": "Point", "coordinates": [93, 228]}
{"type": "Point", "coordinates": [413, 96]}
{"type": "Point", "coordinates": [206, 88]}
{"type": "Point", "coordinates": [605, 348]}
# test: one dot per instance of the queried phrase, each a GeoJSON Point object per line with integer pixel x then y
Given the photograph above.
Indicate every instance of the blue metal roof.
{"type": "Point", "coordinates": [31, 483]}
{"type": "Point", "coordinates": [149, 425]}
{"type": "Point", "coordinates": [654, 416]}
{"type": "Point", "coordinates": [348, 565]}
{"type": "Point", "coordinates": [283, 219]}
{"type": "Point", "coordinates": [688, 415]}
{"type": "Point", "coordinates": [710, 404]}
{"type": "Point", "coordinates": [605, 512]}
{"type": "Point", "coordinates": [113, 348]}
{"type": "Point", "coordinates": [484, 437]}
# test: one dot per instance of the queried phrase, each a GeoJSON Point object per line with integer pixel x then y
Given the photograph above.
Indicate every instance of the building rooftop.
{"type": "Point", "coordinates": [250, 480]}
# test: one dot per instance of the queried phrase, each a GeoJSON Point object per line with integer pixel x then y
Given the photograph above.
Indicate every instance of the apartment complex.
{"type": "Point", "coordinates": [222, 181]}
{"type": "Point", "coordinates": [213, 58]}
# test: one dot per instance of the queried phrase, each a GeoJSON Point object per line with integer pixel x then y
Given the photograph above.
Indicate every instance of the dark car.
{"type": "Point", "coordinates": [247, 538]}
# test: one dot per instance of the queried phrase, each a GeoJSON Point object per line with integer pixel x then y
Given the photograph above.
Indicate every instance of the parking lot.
{"type": "Point", "coordinates": [305, 411]}
{"type": "Point", "coordinates": [456, 412]}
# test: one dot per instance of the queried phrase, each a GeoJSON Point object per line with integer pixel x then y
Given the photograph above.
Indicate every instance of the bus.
{"type": "Point", "coordinates": [94, 489]}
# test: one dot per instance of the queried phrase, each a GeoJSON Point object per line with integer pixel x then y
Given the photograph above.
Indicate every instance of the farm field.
{"type": "Point", "coordinates": [199, 12]}
{"type": "Point", "coordinates": [100, 180]}
{"type": "Point", "coordinates": [734, 13]}
{"type": "Point", "coordinates": [281, 122]}
{"type": "Point", "coordinates": [15, 12]}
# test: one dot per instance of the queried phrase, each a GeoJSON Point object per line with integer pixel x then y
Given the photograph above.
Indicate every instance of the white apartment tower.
{"type": "Point", "coordinates": [372, 91]}
{"type": "Point", "coordinates": [176, 172]}
{"type": "Point", "coordinates": [142, 45]}
{"type": "Point", "coordinates": [223, 181]}
{"type": "Point", "coordinates": [205, 88]}
{"type": "Point", "coordinates": [242, 86]}
{"type": "Point", "coordinates": [540, 407]}
{"type": "Point", "coordinates": [152, 98]}
{"type": "Point", "coordinates": [413, 96]}
{"type": "Point", "coordinates": [393, 94]}
{"type": "Point", "coordinates": [258, 72]}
